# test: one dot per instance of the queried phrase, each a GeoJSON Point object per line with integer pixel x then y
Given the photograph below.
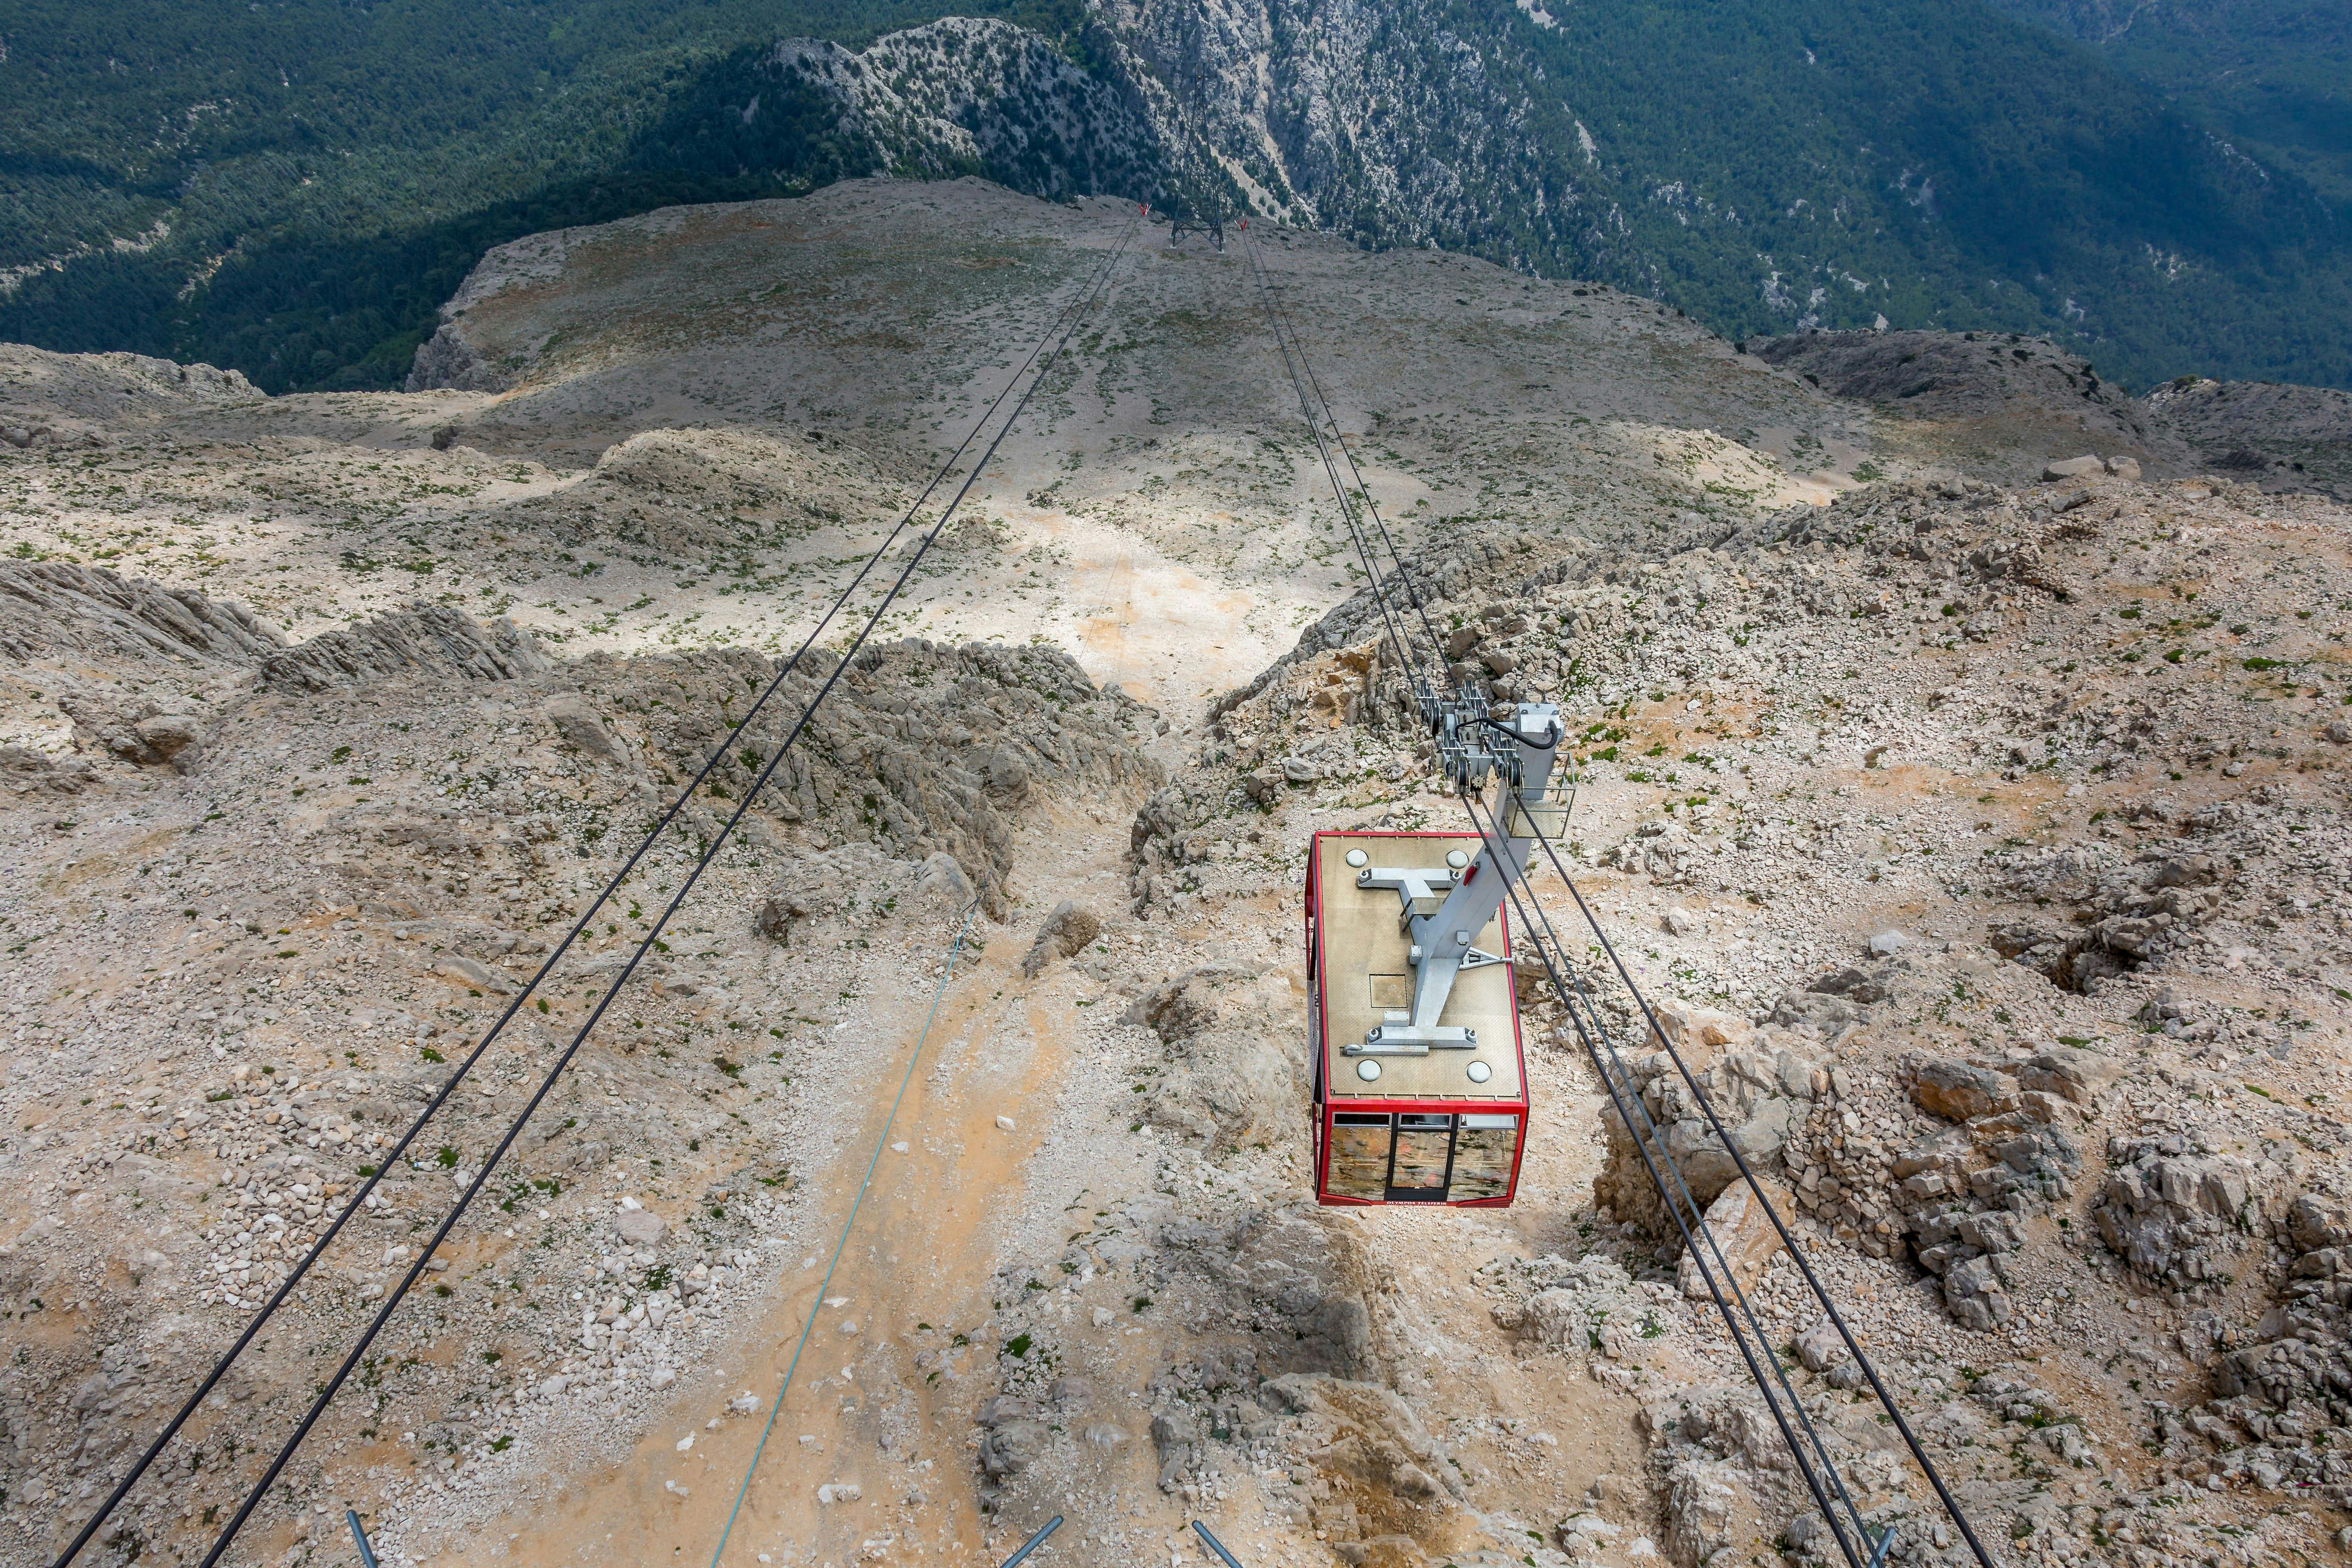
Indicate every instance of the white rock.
{"type": "Point", "coordinates": [839, 1492]}
{"type": "Point", "coordinates": [1004, 1123]}
{"type": "Point", "coordinates": [686, 1442]}
{"type": "Point", "coordinates": [1680, 922]}
{"type": "Point", "coordinates": [744, 1404]}
{"type": "Point", "coordinates": [1821, 1347]}
{"type": "Point", "coordinates": [1888, 942]}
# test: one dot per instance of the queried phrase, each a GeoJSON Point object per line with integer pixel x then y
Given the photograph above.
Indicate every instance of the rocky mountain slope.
{"type": "Point", "coordinates": [326, 179]}
{"type": "Point", "coordinates": [1980, 840]}
{"type": "Point", "coordinates": [2281, 437]}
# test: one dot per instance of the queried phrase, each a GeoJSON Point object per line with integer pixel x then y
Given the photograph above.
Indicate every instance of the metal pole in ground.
{"type": "Point", "coordinates": [358, 1537]}
{"type": "Point", "coordinates": [1215, 1545]}
{"type": "Point", "coordinates": [1036, 1540]}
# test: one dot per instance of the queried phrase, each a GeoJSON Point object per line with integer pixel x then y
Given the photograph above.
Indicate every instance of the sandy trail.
{"type": "Point", "coordinates": [918, 1261]}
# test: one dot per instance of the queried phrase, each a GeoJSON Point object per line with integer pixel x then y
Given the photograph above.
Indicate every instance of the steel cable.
{"type": "Point", "coordinates": [1646, 1136]}
{"type": "Point", "coordinates": [1404, 578]}
{"type": "Point", "coordinates": [441, 1095]}
{"type": "Point", "coordinates": [1068, 323]}
{"type": "Point", "coordinates": [1390, 624]}
{"type": "Point", "coordinates": [1796, 1450]}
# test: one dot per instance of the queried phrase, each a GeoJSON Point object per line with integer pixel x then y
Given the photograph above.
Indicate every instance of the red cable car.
{"type": "Point", "coordinates": [1419, 1079]}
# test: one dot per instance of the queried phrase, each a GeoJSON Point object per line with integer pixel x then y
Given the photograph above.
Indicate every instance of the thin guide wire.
{"type": "Point", "coordinates": [955, 956]}
{"type": "Point", "coordinates": [612, 992]}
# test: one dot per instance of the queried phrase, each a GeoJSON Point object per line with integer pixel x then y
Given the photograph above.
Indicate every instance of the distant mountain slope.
{"type": "Point", "coordinates": [1765, 165]}
{"type": "Point", "coordinates": [1768, 165]}
{"type": "Point", "coordinates": [2276, 76]}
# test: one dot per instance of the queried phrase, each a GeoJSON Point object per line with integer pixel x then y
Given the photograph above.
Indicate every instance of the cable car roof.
{"type": "Point", "coordinates": [1366, 982]}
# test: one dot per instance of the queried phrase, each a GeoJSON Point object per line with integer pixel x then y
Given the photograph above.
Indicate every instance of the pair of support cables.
{"type": "Point", "coordinates": [1860, 1545]}
{"type": "Point", "coordinates": [1032, 372]}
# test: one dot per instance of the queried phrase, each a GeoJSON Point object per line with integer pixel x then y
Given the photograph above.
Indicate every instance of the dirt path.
{"type": "Point", "coordinates": [918, 1263]}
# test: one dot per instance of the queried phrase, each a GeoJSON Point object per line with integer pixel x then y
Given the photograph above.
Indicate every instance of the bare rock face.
{"type": "Point", "coordinates": [904, 752]}
{"type": "Point", "coordinates": [1709, 1447]}
{"type": "Point", "coordinates": [964, 95]}
{"type": "Point", "coordinates": [1744, 1239]}
{"type": "Point", "coordinates": [26, 770]}
{"type": "Point", "coordinates": [1064, 934]}
{"type": "Point", "coordinates": [430, 639]}
{"type": "Point", "coordinates": [1703, 1499]}
{"type": "Point", "coordinates": [2290, 1381]}
{"type": "Point", "coordinates": [1961, 1091]}
{"type": "Point", "coordinates": [1372, 1434]}
{"type": "Point", "coordinates": [837, 891]}
{"type": "Point", "coordinates": [2126, 913]}
{"type": "Point", "coordinates": [1222, 1076]}
{"type": "Point", "coordinates": [1760, 1088]}
{"type": "Point", "coordinates": [445, 361]}
{"type": "Point", "coordinates": [49, 607]}
{"type": "Point", "coordinates": [2176, 1215]}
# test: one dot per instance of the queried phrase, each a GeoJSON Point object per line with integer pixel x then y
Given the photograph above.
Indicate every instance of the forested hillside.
{"type": "Point", "coordinates": [292, 189]}
{"type": "Point", "coordinates": [2274, 76]}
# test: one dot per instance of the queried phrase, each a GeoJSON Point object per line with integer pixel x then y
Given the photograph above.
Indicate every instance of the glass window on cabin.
{"type": "Point", "coordinates": [1482, 1157]}
{"type": "Point", "coordinates": [1360, 1157]}
{"type": "Point", "coordinates": [1422, 1146]}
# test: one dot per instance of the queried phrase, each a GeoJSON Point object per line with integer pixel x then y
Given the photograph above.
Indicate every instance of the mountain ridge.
{"type": "Point", "coordinates": [1834, 164]}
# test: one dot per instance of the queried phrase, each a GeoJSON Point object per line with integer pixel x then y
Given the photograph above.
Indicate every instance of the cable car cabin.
{"type": "Point", "coordinates": [1419, 1098]}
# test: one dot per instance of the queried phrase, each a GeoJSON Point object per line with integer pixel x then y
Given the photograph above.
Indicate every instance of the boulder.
{"type": "Point", "coordinates": [2077, 1076]}
{"type": "Point", "coordinates": [1821, 1347]}
{"type": "Point", "coordinates": [2175, 1217]}
{"type": "Point", "coordinates": [2316, 1223]}
{"type": "Point", "coordinates": [1013, 1438]}
{"type": "Point", "coordinates": [1975, 1295]}
{"type": "Point", "coordinates": [640, 1227]}
{"type": "Point", "coordinates": [1962, 1091]}
{"type": "Point", "coordinates": [1743, 1235]}
{"type": "Point", "coordinates": [578, 725]}
{"type": "Point", "coordinates": [1064, 934]}
{"type": "Point", "coordinates": [2072, 468]}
